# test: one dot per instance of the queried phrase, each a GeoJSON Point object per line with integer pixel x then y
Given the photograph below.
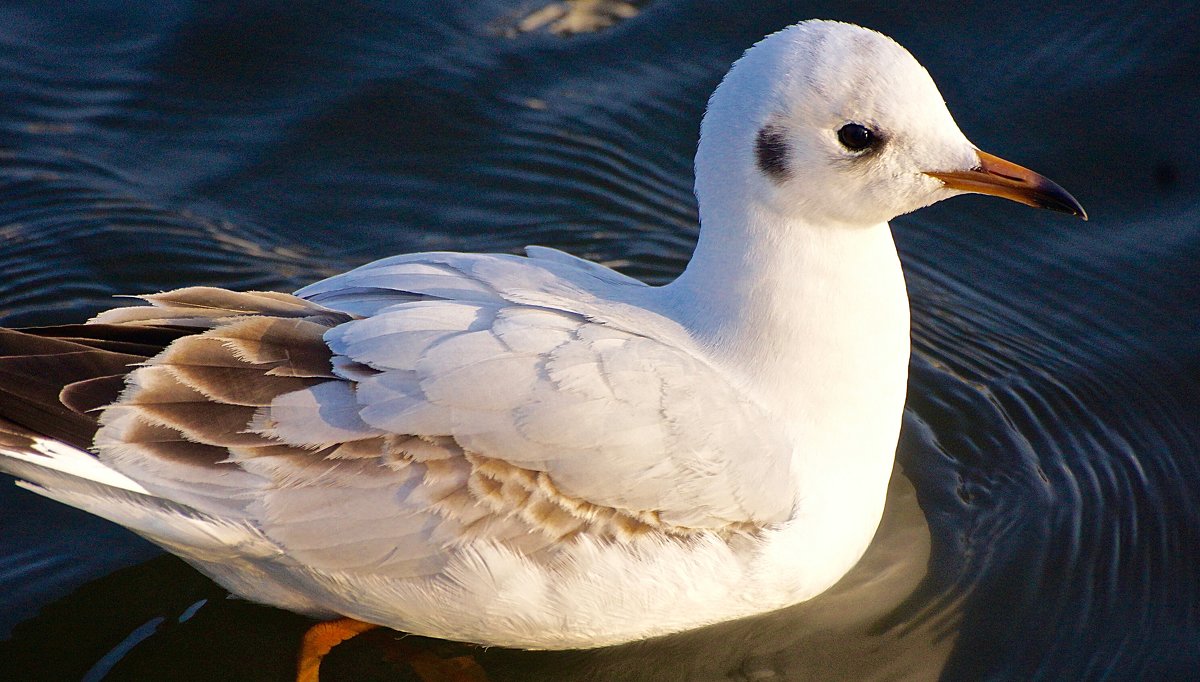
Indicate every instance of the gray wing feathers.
{"type": "Point", "coordinates": [541, 365]}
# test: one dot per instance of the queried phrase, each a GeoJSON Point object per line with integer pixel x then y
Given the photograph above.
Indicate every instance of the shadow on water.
{"type": "Point", "coordinates": [1047, 522]}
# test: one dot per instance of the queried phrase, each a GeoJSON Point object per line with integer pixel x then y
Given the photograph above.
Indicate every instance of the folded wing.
{"type": "Point", "coordinates": [385, 417]}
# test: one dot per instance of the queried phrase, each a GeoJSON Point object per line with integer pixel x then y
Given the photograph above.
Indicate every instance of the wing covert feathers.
{"type": "Point", "coordinates": [380, 419]}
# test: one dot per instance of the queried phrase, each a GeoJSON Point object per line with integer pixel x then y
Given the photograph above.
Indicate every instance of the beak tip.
{"type": "Point", "coordinates": [1065, 203]}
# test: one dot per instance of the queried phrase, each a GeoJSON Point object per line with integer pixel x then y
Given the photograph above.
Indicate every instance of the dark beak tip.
{"type": "Point", "coordinates": [1072, 208]}
{"type": "Point", "coordinates": [1062, 201]}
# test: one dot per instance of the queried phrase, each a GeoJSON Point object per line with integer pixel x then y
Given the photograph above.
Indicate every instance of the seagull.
{"type": "Point", "coordinates": [537, 451]}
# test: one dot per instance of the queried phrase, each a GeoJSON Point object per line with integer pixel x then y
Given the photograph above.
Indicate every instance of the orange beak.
{"type": "Point", "coordinates": [1002, 178]}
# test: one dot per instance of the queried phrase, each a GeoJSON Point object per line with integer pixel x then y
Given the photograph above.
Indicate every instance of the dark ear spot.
{"type": "Point", "coordinates": [770, 149]}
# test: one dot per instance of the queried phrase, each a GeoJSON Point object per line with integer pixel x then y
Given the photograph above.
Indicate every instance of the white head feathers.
{"type": "Point", "coordinates": [770, 137]}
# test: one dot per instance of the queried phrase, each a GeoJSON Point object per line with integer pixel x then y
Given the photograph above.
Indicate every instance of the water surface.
{"type": "Point", "coordinates": [1046, 523]}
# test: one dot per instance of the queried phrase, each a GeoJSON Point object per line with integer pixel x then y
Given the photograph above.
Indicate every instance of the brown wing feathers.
{"type": "Point", "coordinates": [33, 371]}
{"type": "Point", "coordinates": [208, 357]}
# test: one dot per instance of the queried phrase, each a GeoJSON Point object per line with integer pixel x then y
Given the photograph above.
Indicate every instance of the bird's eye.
{"type": "Point", "coordinates": [856, 137]}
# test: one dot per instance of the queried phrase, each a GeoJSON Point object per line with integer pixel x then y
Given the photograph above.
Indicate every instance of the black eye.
{"type": "Point", "coordinates": [856, 137]}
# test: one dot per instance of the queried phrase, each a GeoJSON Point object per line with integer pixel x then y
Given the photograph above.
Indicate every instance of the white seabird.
{"type": "Point", "coordinates": [540, 452]}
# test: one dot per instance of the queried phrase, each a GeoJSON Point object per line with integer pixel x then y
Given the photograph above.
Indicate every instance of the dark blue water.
{"type": "Point", "coordinates": [1047, 522]}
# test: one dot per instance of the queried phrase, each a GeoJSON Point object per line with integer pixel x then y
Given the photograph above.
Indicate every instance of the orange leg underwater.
{"type": "Point", "coordinates": [428, 666]}
{"type": "Point", "coordinates": [320, 640]}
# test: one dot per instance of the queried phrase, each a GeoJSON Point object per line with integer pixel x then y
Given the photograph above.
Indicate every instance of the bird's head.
{"type": "Point", "coordinates": [838, 124]}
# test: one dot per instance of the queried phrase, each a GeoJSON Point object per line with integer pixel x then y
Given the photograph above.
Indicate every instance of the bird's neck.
{"type": "Point", "coordinates": [803, 313]}
{"type": "Point", "coordinates": [814, 322]}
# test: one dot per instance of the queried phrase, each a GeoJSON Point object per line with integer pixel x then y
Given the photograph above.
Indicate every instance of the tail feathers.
{"type": "Point", "coordinates": [44, 454]}
{"type": "Point", "coordinates": [71, 476]}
